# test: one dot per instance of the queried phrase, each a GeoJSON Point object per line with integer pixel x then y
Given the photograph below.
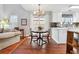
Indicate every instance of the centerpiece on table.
{"type": "Point", "coordinates": [40, 28]}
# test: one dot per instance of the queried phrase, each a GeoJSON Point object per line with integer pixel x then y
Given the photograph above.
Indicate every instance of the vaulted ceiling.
{"type": "Point", "coordinates": [49, 7]}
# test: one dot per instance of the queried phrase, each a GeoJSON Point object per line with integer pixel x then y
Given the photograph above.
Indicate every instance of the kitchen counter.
{"type": "Point", "coordinates": [74, 30]}
{"type": "Point", "coordinates": [59, 28]}
{"type": "Point", "coordinates": [59, 34]}
{"type": "Point", "coordinates": [68, 29]}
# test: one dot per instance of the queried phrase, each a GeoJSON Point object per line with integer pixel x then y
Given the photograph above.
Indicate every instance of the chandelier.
{"type": "Point", "coordinates": [39, 11]}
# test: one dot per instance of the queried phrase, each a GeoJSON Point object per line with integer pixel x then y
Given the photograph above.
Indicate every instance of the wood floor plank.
{"type": "Point", "coordinates": [11, 48]}
{"type": "Point", "coordinates": [24, 47]}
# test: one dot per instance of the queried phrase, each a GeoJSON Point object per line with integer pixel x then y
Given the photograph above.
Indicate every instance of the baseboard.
{"type": "Point", "coordinates": [54, 40]}
{"type": "Point", "coordinates": [57, 41]}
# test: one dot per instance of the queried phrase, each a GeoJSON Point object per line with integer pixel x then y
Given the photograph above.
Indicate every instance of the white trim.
{"type": "Point", "coordinates": [59, 42]}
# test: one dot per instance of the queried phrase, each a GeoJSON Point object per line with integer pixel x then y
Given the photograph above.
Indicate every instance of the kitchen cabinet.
{"type": "Point", "coordinates": [54, 33]}
{"type": "Point", "coordinates": [59, 34]}
{"type": "Point", "coordinates": [62, 35]}
{"type": "Point", "coordinates": [76, 17]}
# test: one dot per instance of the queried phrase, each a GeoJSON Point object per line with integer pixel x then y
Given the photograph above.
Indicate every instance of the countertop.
{"type": "Point", "coordinates": [59, 28]}
{"type": "Point", "coordinates": [68, 29]}
{"type": "Point", "coordinates": [74, 30]}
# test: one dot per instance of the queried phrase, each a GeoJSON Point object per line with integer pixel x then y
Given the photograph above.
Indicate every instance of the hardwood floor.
{"type": "Point", "coordinates": [11, 48]}
{"type": "Point", "coordinates": [24, 47]}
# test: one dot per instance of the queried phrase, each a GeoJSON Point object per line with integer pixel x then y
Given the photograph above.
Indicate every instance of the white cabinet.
{"type": "Point", "coordinates": [59, 35]}
{"type": "Point", "coordinates": [76, 17]}
{"type": "Point", "coordinates": [62, 35]}
{"type": "Point", "coordinates": [54, 34]}
{"type": "Point", "coordinates": [56, 17]}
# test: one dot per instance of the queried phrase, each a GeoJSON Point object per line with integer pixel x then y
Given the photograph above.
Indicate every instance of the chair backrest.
{"type": "Point", "coordinates": [36, 33]}
{"type": "Point", "coordinates": [46, 33]}
{"type": "Point", "coordinates": [33, 33]}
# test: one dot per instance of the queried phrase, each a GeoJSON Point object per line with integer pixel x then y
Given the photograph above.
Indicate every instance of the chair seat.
{"type": "Point", "coordinates": [46, 35]}
{"type": "Point", "coordinates": [35, 35]}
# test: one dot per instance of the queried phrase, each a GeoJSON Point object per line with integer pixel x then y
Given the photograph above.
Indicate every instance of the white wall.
{"type": "Point", "coordinates": [45, 23]}
{"type": "Point", "coordinates": [56, 16]}
{"type": "Point", "coordinates": [76, 17]}
{"type": "Point", "coordinates": [16, 9]}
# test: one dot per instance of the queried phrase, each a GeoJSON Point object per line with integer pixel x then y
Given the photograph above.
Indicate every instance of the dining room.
{"type": "Point", "coordinates": [44, 28]}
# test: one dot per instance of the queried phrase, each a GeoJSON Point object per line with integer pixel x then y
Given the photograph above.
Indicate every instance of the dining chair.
{"type": "Point", "coordinates": [46, 35]}
{"type": "Point", "coordinates": [33, 36]}
{"type": "Point", "coordinates": [76, 37]}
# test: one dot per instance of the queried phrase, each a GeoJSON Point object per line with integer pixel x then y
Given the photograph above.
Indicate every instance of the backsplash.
{"type": "Point", "coordinates": [76, 25]}
{"type": "Point", "coordinates": [53, 24]}
{"type": "Point", "coordinates": [62, 24]}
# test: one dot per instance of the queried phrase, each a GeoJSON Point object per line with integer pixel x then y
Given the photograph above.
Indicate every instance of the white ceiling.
{"type": "Point", "coordinates": [49, 7]}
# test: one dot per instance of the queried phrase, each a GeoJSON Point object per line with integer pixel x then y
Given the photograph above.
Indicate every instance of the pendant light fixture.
{"type": "Point", "coordinates": [39, 11]}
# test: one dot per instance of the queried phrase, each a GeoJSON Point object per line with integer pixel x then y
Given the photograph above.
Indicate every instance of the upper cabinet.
{"type": "Point", "coordinates": [67, 18]}
{"type": "Point", "coordinates": [72, 17]}
{"type": "Point", "coordinates": [56, 16]}
{"type": "Point", "coordinates": [76, 17]}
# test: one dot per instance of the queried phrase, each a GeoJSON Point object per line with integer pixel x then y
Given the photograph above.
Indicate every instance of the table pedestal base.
{"type": "Point", "coordinates": [39, 41]}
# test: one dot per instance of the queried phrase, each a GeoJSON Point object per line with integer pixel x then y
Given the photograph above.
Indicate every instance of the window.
{"type": "Point", "coordinates": [4, 23]}
{"type": "Point", "coordinates": [13, 21]}
{"type": "Point", "coordinates": [67, 17]}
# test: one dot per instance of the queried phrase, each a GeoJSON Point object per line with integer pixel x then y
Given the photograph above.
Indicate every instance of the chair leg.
{"type": "Point", "coordinates": [31, 40]}
{"type": "Point", "coordinates": [48, 39]}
